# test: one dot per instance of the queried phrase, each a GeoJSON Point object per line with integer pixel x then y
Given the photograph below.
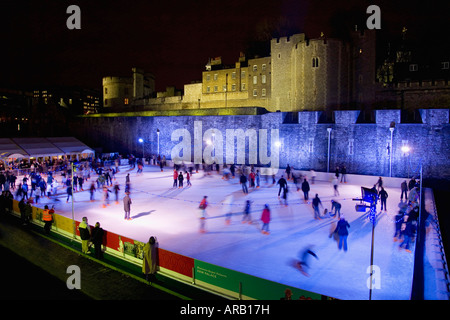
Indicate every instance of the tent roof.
{"type": "Point", "coordinates": [41, 147]}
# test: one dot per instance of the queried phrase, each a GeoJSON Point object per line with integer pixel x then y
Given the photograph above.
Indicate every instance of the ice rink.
{"type": "Point", "coordinates": [172, 215]}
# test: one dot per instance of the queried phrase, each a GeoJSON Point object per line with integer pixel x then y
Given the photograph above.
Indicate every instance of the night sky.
{"type": "Point", "coordinates": [175, 39]}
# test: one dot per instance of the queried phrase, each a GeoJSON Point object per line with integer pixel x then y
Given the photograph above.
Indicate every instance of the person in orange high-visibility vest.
{"type": "Point", "coordinates": [47, 217]}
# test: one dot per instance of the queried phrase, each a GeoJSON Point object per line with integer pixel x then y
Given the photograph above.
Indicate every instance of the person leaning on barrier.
{"type": "Point", "coordinates": [85, 235]}
{"type": "Point", "coordinates": [47, 217]}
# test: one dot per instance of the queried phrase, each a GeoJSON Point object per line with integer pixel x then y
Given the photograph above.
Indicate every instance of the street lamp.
{"type": "Point", "coordinates": [329, 141]}
{"type": "Point", "coordinates": [157, 133]}
{"type": "Point", "coordinates": [142, 141]}
{"type": "Point", "coordinates": [390, 152]}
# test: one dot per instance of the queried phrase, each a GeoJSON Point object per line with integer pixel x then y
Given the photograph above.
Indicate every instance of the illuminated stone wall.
{"type": "Point", "coordinates": [361, 147]}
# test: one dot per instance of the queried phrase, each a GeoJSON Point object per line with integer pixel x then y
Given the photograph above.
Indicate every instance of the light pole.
{"type": "Point", "coordinates": [73, 215]}
{"type": "Point", "coordinates": [391, 149]}
{"type": "Point", "coordinates": [329, 141]}
{"type": "Point", "coordinates": [142, 142]}
{"type": "Point", "coordinates": [157, 134]}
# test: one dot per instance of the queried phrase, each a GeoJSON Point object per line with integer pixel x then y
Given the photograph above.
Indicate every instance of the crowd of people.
{"type": "Point", "coordinates": [40, 182]}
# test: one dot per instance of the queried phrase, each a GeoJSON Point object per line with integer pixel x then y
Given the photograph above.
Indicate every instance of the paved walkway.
{"type": "Point", "coordinates": [99, 281]}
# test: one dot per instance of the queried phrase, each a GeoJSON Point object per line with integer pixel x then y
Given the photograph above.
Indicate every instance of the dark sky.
{"type": "Point", "coordinates": [175, 39]}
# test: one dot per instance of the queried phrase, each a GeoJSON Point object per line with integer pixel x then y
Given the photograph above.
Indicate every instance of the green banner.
{"type": "Point", "coordinates": [250, 286]}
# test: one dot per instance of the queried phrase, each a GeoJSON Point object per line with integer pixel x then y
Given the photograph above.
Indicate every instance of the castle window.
{"type": "Point", "coordinates": [233, 75]}
{"type": "Point", "coordinates": [125, 101]}
{"type": "Point", "coordinates": [413, 67]}
{"type": "Point", "coordinates": [263, 92]}
{"type": "Point", "coordinates": [216, 89]}
{"type": "Point", "coordinates": [208, 77]}
{"type": "Point", "coordinates": [233, 87]}
{"type": "Point", "coordinates": [208, 89]}
{"type": "Point", "coordinates": [215, 76]}
{"type": "Point", "coordinates": [255, 92]}
{"type": "Point", "coordinates": [263, 78]}
{"type": "Point", "coordinates": [242, 74]}
{"type": "Point", "coordinates": [445, 65]}
{"type": "Point", "coordinates": [243, 86]}
{"type": "Point", "coordinates": [255, 68]}
{"type": "Point", "coordinates": [255, 79]}
{"type": "Point", "coordinates": [315, 62]}
{"type": "Point", "coordinates": [106, 102]}
{"type": "Point", "coordinates": [311, 145]}
{"type": "Point", "coordinates": [350, 147]}
{"type": "Point", "coordinates": [263, 67]}
{"type": "Point", "coordinates": [106, 90]}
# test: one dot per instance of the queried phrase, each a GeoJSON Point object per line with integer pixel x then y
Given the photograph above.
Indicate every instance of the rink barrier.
{"type": "Point", "coordinates": [438, 257]}
{"type": "Point", "coordinates": [209, 277]}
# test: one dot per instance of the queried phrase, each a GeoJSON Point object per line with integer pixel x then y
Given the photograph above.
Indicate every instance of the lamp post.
{"type": "Point", "coordinates": [329, 141]}
{"type": "Point", "coordinates": [390, 152]}
{"type": "Point", "coordinates": [157, 134]}
{"type": "Point", "coordinates": [73, 215]}
{"type": "Point", "coordinates": [142, 142]}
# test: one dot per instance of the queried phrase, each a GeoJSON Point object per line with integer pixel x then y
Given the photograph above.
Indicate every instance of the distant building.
{"type": "Point", "coordinates": [301, 74]}
{"type": "Point", "coordinates": [77, 100]}
{"type": "Point", "coordinates": [125, 91]}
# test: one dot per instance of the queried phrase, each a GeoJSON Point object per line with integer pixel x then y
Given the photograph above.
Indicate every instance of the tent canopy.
{"type": "Point", "coordinates": [42, 147]}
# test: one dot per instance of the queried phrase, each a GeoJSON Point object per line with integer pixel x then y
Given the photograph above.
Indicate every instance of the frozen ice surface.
{"type": "Point", "coordinates": [172, 215]}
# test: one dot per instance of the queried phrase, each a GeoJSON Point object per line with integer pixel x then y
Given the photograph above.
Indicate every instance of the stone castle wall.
{"type": "Point", "coordinates": [361, 147]}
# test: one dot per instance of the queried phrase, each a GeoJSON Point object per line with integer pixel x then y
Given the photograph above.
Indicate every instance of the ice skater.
{"type": "Point", "coordinates": [180, 180]}
{"type": "Point", "coordinates": [91, 191]}
{"type": "Point", "coordinates": [188, 179]}
{"type": "Point", "coordinates": [335, 183]}
{"type": "Point", "coordinates": [246, 216]}
{"type": "Point", "coordinates": [404, 188]}
{"type": "Point", "coordinates": [398, 221]}
{"type": "Point", "coordinates": [284, 196]}
{"type": "Point", "coordinates": [116, 192]}
{"type": "Point", "coordinates": [127, 205]}
{"type": "Point", "coordinates": [106, 192]}
{"type": "Point", "coordinates": [243, 182]}
{"type": "Point", "coordinates": [337, 209]}
{"type": "Point", "coordinates": [315, 204]}
{"type": "Point", "coordinates": [383, 197]}
{"type": "Point", "coordinates": [203, 205]}
{"type": "Point", "coordinates": [283, 184]}
{"type": "Point", "coordinates": [175, 178]}
{"type": "Point", "coordinates": [265, 218]}
{"type": "Point", "coordinates": [69, 193]}
{"type": "Point", "coordinates": [304, 255]}
{"type": "Point", "coordinates": [407, 233]}
{"type": "Point", "coordinates": [342, 232]}
{"type": "Point", "coordinates": [228, 208]}
{"type": "Point", "coordinates": [305, 189]}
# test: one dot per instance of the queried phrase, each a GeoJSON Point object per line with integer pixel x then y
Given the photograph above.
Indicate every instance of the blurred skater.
{"type": "Point", "coordinates": [304, 255]}
{"type": "Point", "coordinates": [315, 204]}
{"type": "Point", "coordinates": [246, 216]}
{"type": "Point", "coordinates": [203, 205]}
{"type": "Point", "coordinates": [228, 208]}
{"type": "Point", "coordinates": [265, 218]}
{"type": "Point", "coordinates": [127, 206]}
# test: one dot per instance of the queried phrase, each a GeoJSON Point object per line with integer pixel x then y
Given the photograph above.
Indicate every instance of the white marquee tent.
{"type": "Point", "coordinates": [33, 148]}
